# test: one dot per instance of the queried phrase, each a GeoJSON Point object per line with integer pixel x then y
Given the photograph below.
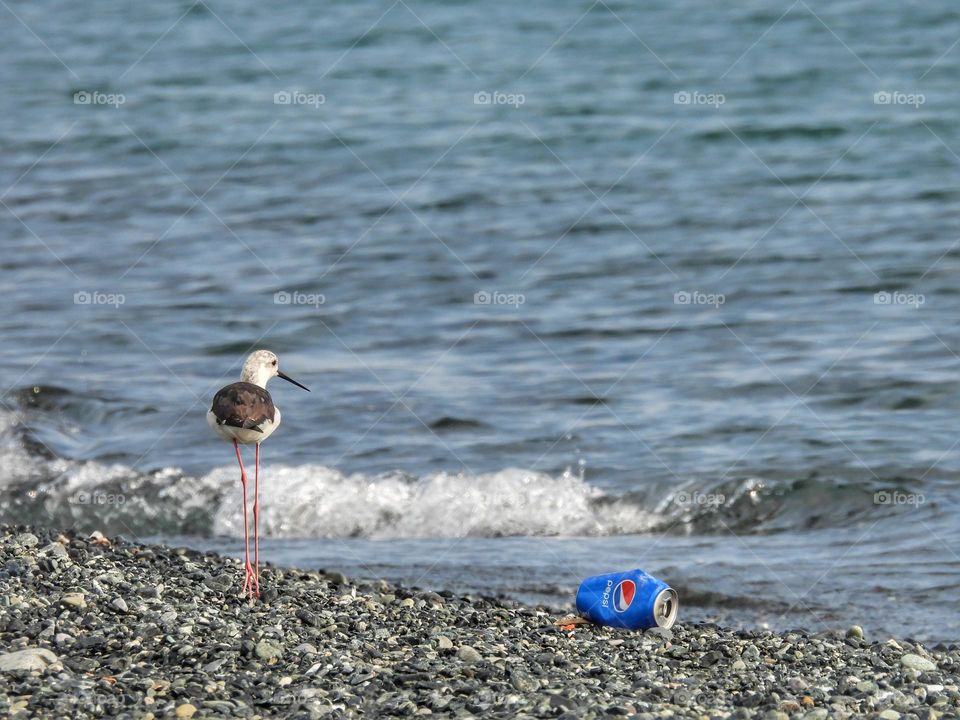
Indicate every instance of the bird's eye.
{"type": "Point", "coordinates": [274, 362]}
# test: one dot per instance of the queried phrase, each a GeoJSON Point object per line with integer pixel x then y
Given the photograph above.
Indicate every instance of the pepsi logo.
{"type": "Point", "coordinates": [623, 595]}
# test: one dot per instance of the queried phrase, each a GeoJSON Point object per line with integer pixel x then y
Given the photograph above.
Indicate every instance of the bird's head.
{"type": "Point", "coordinates": [261, 365]}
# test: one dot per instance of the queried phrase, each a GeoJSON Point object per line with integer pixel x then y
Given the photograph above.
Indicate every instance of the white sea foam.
{"type": "Point", "coordinates": [314, 501]}
{"type": "Point", "coordinates": [317, 501]}
{"type": "Point", "coordinates": [307, 500]}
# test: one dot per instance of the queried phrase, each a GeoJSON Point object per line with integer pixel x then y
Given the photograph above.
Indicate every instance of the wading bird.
{"type": "Point", "coordinates": [244, 414]}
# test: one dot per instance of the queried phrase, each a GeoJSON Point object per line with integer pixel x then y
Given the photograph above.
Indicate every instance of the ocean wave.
{"type": "Point", "coordinates": [311, 501]}
{"type": "Point", "coordinates": [318, 501]}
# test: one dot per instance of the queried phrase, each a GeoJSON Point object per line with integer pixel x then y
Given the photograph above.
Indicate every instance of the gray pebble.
{"type": "Point", "coordinates": [660, 632]}
{"type": "Point", "coordinates": [74, 600]}
{"type": "Point", "coordinates": [325, 646]}
{"type": "Point", "coordinates": [267, 650]}
{"type": "Point", "coordinates": [469, 654]}
{"type": "Point", "coordinates": [56, 550]}
{"type": "Point", "coordinates": [27, 659]}
{"type": "Point", "coordinates": [27, 540]}
{"type": "Point", "coordinates": [524, 682]}
{"type": "Point", "coordinates": [855, 631]}
{"type": "Point", "coordinates": [221, 583]}
{"type": "Point", "coordinates": [916, 662]}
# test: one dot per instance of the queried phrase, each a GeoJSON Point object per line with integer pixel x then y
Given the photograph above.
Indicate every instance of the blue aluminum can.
{"type": "Point", "coordinates": [631, 599]}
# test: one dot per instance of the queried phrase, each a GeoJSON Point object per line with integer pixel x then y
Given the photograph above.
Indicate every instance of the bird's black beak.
{"type": "Point", "coordinates": [291, 380]}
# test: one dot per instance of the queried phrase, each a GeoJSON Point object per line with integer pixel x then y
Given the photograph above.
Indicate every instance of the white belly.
{"type": "Point", "coordinates": [244, 436]}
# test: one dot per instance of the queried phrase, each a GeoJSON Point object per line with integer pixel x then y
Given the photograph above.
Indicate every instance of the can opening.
{"type": "Point", "coordinates": [665, 608]}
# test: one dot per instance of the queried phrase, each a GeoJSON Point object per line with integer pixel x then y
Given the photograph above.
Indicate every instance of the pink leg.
{"type": "Point", "coordinates": [248, 570]}
{"type": "Point", "coordinates": [256, 523]}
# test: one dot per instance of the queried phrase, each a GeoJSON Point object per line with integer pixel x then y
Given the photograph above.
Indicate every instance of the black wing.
{"type": "Point", "coordinates": [243, 405]}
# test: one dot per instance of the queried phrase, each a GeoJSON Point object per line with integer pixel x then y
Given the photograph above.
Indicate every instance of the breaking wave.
{"type": "Point", "coordinates": [319, 501]}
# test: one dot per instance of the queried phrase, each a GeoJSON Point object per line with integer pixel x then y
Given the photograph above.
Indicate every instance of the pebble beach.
{"type": "Point", "coordinates": [92, 626]}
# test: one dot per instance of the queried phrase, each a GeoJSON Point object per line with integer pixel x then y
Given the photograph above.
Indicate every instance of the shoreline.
{"type": "Point", "coordinates": [94, 627]}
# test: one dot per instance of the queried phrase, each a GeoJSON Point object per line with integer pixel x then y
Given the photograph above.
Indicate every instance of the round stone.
{"type": "Point", "coordinates": [469, 655]}
{"type": "Point", "coordinates": [27, 659]}
{"type": "Point", "coordinates": [916, 662]}
{"type": "Point", "coordinates": [74, 599]}
{"type": "Point", "coordinates": [185, 711]}
{"type": "Point", "coordinates": [268, 650]}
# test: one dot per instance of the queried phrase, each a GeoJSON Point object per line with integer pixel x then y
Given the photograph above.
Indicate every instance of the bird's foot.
{"type": "Point", "coordinates": [251, 583]}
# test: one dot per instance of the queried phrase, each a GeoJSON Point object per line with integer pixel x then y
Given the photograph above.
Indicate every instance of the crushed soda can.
{"type": "Point", "coordinates": [633, 600]}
